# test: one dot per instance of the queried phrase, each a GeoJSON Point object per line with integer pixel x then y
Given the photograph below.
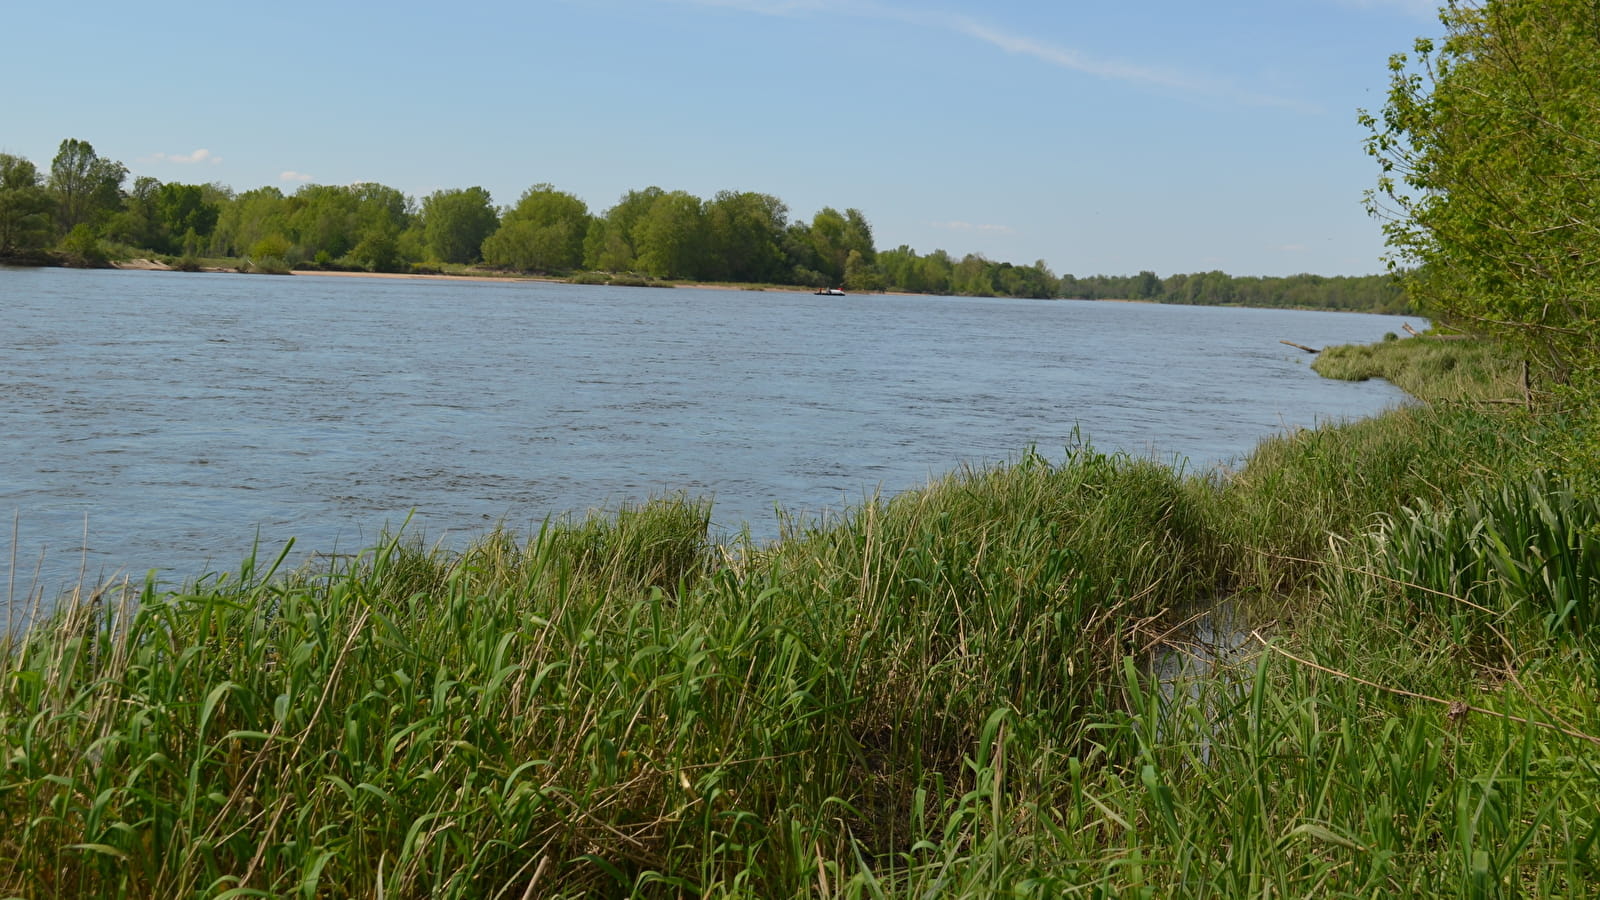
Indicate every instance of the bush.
{"type": "Point", "coordinates": [271, 246]}
{"type": "Point", "coordinates": [83, 249]}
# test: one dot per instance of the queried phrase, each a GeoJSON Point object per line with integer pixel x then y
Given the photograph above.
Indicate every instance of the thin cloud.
{"type": "Point", "coordinates": [186, 159]}
{"type": "Point", "coordinates": [769, 7]}
{"type": "Point", "coordinates": [1423, 9]}
{"type": "Point", "coordinates": [1042, 51]}
{"type": "Point", "coordinates": [292, 175]}
{"type": "Point", "coordinates": [1116, 70]}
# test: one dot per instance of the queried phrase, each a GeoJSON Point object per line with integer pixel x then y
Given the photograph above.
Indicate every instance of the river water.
{"type": "Point", "coordinates": [156, 420]}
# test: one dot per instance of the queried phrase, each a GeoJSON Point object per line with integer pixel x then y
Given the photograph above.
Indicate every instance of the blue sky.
{"type": "Point", "coordinates": [1102, 137]}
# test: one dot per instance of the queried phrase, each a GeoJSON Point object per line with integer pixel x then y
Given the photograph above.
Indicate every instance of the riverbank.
{"type": "Point", "coordinates": [945, 692]}
{"type": "Point", "coordinates": [146, 264]}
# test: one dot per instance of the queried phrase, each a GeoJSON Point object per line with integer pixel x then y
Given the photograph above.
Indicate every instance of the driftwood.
{"type": "Point", "coordinates": [1301, 347]}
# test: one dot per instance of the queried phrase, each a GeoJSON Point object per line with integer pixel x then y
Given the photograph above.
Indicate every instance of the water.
{"type": "Point", "coordinates": [172, 418]}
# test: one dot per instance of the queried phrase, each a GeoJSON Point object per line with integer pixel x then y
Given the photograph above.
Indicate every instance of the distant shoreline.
{"type": "Point", "coordinates": [149, 265]}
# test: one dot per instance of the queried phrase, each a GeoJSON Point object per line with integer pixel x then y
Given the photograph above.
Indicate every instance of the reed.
{"type": "Point", "coordinates": [1470, 370]}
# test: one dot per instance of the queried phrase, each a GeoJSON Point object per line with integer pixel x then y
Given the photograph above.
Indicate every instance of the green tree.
{"type": "Point", "coordinates": [744, 237]}
{"type": "Point", "coordinates": [383, 216]}
{"type": "Point", "coordinates": [861, 275]}
{"type": "Point", "coordinates": [324, 222]}
{"type": "Point", "coordinates": [1146, 286]}
{"type": "Point", "coordinates": [544, 232]}
{"type": "Point", "coordinates": [249, 218]}
{"type": "Point", "coordinates": [611, 243]}
{"type": "Point", "coordinates": [935, 271]}
{"type": "Point", "coordinates": [973, 276]}
{"type": "Point", "coordinates": [456, 222]}
{"type": "Point", "coordinates": [670, 238]}
{"type": "Point", "coordinates": [829, 245]}
{"type": "Point", "coordinates": [1489, 145]}
{"type": "Point", "coordinates": [87, 187]}
{"type": "Point", "coordinates": [25, 207]}
{"type": "Point", "coordinates": [183, 210]}
{"type": "Point", "coordinates": [139, 222]}
{"type": "Point", "coordinates": [834, 235]}
{"type": "Point", "coordinates": [378, 249]}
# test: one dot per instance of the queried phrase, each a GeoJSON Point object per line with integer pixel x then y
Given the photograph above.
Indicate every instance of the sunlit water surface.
{"type": "Point", "coordinates": [172, 418]}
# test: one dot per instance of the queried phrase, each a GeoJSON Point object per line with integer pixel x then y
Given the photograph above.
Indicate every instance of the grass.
{"type": "Point", "coordinates": [946, 693]}
{"type": "Point", "coordinates": [1431, 370]}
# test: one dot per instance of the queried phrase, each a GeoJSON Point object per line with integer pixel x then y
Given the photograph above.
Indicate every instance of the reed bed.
{"type": "Point", "coordinates": [1468, 370]}
{"type": "Point", "coordinates": [946, 693]}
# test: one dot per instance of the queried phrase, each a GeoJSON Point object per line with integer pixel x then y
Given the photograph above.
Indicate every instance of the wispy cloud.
{"type": "Point", "coordinates": [771, 7]}
{"type": "Point", "coordinates": [1059, 56]}
{"type": "Point", "coordinates": [956, 225]}
{"type": "Point", "coordinates": [184, 159]}
{"type": "Point", "coordinates": [1424, 9]}
{"type": "Point", "coordinates": [292, 175]}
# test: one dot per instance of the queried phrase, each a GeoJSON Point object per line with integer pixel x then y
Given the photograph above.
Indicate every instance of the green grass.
{"type": "Point", "coordinates": [1429, 369]}
{"type": "Point", "coordinates": [946, 693]}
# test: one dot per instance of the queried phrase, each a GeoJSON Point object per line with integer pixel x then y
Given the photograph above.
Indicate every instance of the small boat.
{"type": "Point", "coordinates": [830, 292]}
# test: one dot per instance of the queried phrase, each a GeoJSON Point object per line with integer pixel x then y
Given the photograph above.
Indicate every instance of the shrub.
{"type": "Point", "coordinates": [83, 249]}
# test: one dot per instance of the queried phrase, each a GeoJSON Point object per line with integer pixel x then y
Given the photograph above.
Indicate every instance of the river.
{"type": "Point", "coordinates": [157, 420]}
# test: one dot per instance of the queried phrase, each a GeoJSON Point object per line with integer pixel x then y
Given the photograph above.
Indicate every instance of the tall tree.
{"type": "Point", "coordinates": [834, 235]}
{"type": "Point", "coordinates": [383, 215]}
{"type": "Point", "coordinates": [324, 222]}
{"type": "Point", "coordinates": [252, 217]}
{"type": "Point", "coordinates": [25, 206]}
{"type": "Point", "coordinates": [744, 237]}
{"type": "Point", "coordinates": [139, 222]}
{"type": "Point", "coordinates": [186, 216]}
{"type": "Point", "coordinates": [1489, 145]}
{"type": "Point", "coordinates": [611, 244]}
{"type": "Point", "coordinates": [671, 237]}
{"type": "Point", "coordinates": [456, 222]}
{"type": "Point", "coordinates": [545, 231]}
{"type": "Point", "coordinates": [87, 187]}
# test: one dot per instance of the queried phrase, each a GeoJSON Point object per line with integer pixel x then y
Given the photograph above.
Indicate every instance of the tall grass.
{"type": "Point", "coordinates": [1431, 370]}
{"type": "Point", "coordinates": [596, 707]}
{"type": "Point", "coordinates": [940, 694]}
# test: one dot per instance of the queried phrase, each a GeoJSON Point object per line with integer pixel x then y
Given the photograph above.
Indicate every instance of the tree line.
{"type": "Point", "coordinates": [84, 203]}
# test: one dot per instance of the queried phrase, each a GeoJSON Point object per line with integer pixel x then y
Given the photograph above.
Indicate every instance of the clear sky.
{"type": "Point", "coordinates": [1102, 136]}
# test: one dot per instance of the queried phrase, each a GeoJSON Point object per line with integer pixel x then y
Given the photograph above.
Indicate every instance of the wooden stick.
{"type": "Point", "coordinates": [1301, 347]}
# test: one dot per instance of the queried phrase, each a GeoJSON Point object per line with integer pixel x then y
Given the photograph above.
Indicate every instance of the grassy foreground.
{"type": "Point", "coordinates": [950, 693]}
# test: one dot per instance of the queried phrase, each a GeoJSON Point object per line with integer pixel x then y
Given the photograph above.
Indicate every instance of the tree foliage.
{"type": "Point", "coordinates": [544, 232]}
{"type": "Point", "coordinates": [252, 217]}
{"type": "Point", "coordinates": [25, 207]}
{"type": "Point", "coordinates": [87, 187]}
{"type": "Point", "coordinates": [670, 237]}
{"type": "Point", "coordinates": [1489, 145]}
{"type": "Point", "coordinates": [744, 237]}
{"type": "Point", "coordinates": [455, 224]}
